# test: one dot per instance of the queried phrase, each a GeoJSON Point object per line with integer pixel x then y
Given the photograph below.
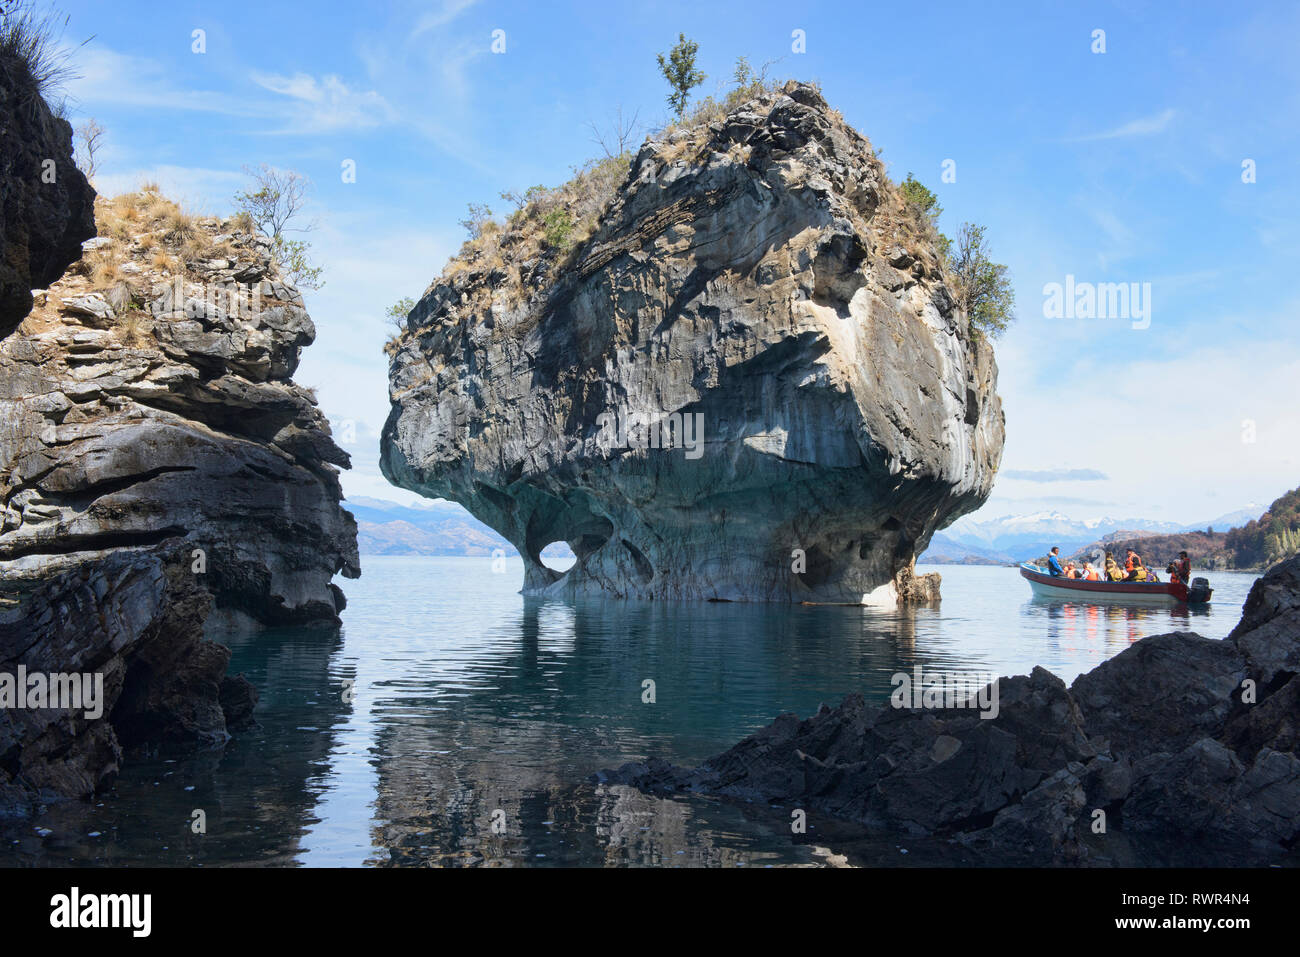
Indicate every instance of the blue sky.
{"type": "Point", "coordinates": [1122, 166]}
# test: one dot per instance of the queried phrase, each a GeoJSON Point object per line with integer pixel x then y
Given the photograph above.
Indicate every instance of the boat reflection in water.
{"type": "Point", "coordinates": [1081, 629]}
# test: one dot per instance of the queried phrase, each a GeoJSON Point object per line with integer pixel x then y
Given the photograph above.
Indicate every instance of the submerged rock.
{"type": "Point", "coordinates": [750, 381]}
{"type": "Point", "coordinates": [156, 403]}
{"type": "Point", "coordinates": [133, 621]}
{"type": "Point", "coordinates": [1180, 750]}
{"type": "Point", "coordinates": [46, 205]}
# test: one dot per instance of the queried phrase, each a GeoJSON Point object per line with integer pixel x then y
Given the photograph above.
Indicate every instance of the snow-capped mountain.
{"type": "Point", "coordinates": [1021, 537]}
{"type": "Point", "coordinates": [1230, 519]}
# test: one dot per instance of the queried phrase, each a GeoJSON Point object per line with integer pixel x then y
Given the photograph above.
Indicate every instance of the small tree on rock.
{"type": "Point", "coordinates": [89, 137]}
{"type": "Point", "coordinates": [679, 70]}
{"type": "Point", "coordinates": [398, 311]}
{"type": "Point", "coordinates": [275, 204]}
{"type": "Point", "coordinates": [983, 287]}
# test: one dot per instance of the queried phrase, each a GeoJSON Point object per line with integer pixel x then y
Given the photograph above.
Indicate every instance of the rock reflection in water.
{"type": "Point", "coordinates": [257, 793]}
{"type": "Point", "coordinates": [493, 772]}
{"type": "Point", "coordinates": [469, 698]}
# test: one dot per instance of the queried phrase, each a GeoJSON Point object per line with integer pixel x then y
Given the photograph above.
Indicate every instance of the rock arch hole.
{"type": "Point", "coordinates": [573, 525]}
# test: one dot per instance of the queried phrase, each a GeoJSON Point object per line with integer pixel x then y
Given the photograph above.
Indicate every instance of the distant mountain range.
{"type": "Point", "coordinates": [445, 528]}
{"type": "Point", "coordinates": [1017, 538]}
{"type": "Point", "coordinates": [433, 528]}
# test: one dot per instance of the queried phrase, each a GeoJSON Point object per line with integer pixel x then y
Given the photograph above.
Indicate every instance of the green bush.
{"type": "Point", "coordinates": [559, 228]}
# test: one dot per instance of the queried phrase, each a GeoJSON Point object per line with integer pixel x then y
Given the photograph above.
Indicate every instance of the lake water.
{"type": "Point", "coordinates": [453, 722]}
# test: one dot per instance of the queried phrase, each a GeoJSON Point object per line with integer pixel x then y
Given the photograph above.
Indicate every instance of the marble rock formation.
{"type": "Point", "coordinates": [749, 381]}
{"type": "Point", "coordinates": [149, 397]}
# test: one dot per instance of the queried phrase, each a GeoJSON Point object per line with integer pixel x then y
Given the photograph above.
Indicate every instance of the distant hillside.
{"type": "Point", "coordinates": [436, 528]}
{"type": "Point", "coordinates": [403, 538]}
{"type": "Point", "coordinates": [946, 551]}
{"type": "Point", "coordinates": [1271, 538]}
{"type": "Point", "coordinates": [1205, 550]}
{"type": "Point", "coordinates": [1258, 543]}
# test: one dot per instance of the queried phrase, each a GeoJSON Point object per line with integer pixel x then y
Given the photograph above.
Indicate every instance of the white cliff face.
{"type": "Point", "coordinates": [759, 278]}
{"type": "Point", "coordinates": [159, 407]}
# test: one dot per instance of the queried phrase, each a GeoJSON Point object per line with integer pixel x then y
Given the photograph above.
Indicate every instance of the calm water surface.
{"type": "Point", "coordinates": [454, 722]}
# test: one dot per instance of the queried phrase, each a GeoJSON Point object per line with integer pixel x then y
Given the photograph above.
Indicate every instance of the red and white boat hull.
{"type": "Point", "coordinates": [1078, 589]}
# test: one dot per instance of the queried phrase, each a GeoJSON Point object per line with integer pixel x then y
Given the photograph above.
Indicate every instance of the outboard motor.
{"type": "Point", "coordinates": [1200, 591]}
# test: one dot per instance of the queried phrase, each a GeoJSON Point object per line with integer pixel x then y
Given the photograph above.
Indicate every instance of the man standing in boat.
{"type": "Point", "coordinates": [1054, 562]}
{"type": "Point", "coordinates": [1183, 568]}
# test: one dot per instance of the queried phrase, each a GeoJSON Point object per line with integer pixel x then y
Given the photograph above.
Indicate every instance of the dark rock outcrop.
{"type": "Point", "coordinates": [135, 620]}
{"type": "Point", "coordinates": [149, 396]}
{"type": "Point", "coordinates": [158, 465]}
{"type": "Point", "coordinates": [749, 381]}
{"type": "Point", "coordinates": [1183, 748]}
{"type": "Point", "coordinates": [46, 204]}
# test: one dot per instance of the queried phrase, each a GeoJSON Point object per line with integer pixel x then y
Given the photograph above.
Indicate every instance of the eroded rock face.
{"type": "Point", "coordinates": [46, 205]}
{"type": "Point", "coordinates": [756, 277]}
{"type": "Point", "coordinates": [161, 407]}
{"type": "Point", "coordinates": [1187, 745]}
{"type": "Point", "coordinates": [135, 620]}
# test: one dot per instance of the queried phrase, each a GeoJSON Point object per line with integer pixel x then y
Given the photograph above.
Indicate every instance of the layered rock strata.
{"type": "Point", "coordinates": [749, 381]}
{"type": "Point", "coordinates": [149, 396]}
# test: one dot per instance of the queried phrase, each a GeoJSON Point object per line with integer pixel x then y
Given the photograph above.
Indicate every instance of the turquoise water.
{"type": "Point", "coordinates": [476, 717]}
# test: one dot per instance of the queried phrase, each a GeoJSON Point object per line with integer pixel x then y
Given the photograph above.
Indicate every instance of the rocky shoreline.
{"type": "Point", "coordinates": [1179, 750]}
{"type": "Point", "coordinates": [160, 472]}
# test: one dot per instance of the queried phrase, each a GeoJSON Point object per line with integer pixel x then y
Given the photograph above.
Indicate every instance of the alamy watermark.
{"type": "Point", "coordinates": [74, 910]}
{"type": "Point", "coordinates": [58, 692]}
{"type": "Point", "coordinates": [234, 299]}
{"type": "Point", "coordinates": [1100, 300]}
{"type": "Point", "coordinates": [652, 430]}
{"type": "Point", "coordinates": [938, 690]}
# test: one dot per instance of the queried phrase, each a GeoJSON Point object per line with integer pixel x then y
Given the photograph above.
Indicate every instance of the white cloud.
{"type": "Point", "coordinates": [1168, 430]}
{"type": "Point", "coordinates": [447, 11]}
{"type": "Point", "coordinates": [302, 103]}
{"type": "Point", "coordinates": [325, 105]}
{"type": "Point", "coordinates": [105, 77]}
{"type": "Point", "coordinates": [1144, 126]}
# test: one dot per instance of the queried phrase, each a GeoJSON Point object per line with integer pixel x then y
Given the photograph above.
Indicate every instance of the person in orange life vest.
{"type": "Point", "coordinates": [1183, 568]}
{"type": "Point", "coordinates": [1134, 571]}
{"type": "Point", "coordinates": [1070, 570]}
{"type": "Point", "coordinates": [1090, 573]}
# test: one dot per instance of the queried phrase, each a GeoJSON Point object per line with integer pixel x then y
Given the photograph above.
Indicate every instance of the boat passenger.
{"type": "Point", "coordinates": [1054, 562]}
{"type": "Point", "coordinates": [1183, 568]}
{"type": "Point", "coordinates": [1113, 572]}
{"type": "Point", "coordinates": [1133, 569]}
{"type": "Point", "coordinates": [1090, 573]}
{"type": "Point", "coordinates": [1132, 562]}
